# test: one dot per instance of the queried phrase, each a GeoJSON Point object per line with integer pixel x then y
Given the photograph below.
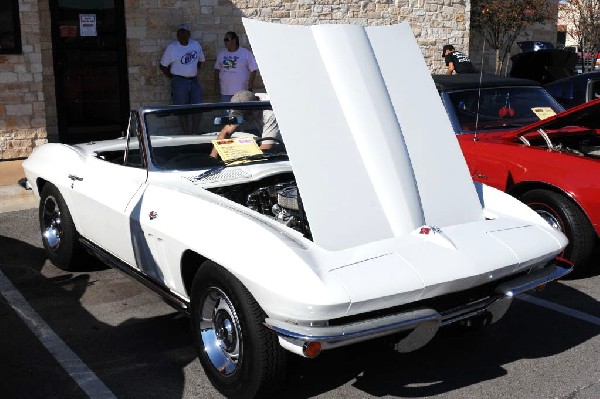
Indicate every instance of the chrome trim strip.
{"type": "Point", "coordinates": [354, 332]}
{"type": "Point", "coordinates": [532, 280]}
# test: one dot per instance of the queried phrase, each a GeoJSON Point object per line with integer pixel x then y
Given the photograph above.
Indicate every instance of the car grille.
{"type": "Point", "coordinates": [220, 175]}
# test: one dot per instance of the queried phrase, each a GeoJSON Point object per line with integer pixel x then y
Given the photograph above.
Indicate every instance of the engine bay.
{"type": "Point", "coordinates": [276, 197]}
{"type": "Point", "coordinates": [584, 143]}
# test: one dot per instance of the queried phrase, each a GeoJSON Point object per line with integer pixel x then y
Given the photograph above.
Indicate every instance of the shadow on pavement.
{"type": "Point", "coordinates": [456, 358]}
{"type": "Point", "coordinates": [138, 358]}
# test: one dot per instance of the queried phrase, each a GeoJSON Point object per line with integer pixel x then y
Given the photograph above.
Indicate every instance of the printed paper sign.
{"type": "Point", "coordinates": [543, 112]}
{"type": "Point", "coordinates": [87, 25]}
{"type": "Point", "coordinates": [229, 149]}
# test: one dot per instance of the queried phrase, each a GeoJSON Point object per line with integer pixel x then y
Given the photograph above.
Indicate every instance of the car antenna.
{"type": "Point", "coordinates": [479, 92]}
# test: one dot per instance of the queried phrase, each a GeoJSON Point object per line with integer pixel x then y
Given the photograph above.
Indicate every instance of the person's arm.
{"type": "Point", "coordinates": [201, 58]}
{"type": "Point", "coordinates": [251, 80]}
{"type": "Point", "coordinates": [252, 67]}
{"type": "Point", "coordinates": [270, 130]}
{"type": "Point", "coordinates": [225, 133]}
{"type": "Point", "coordinates": [450, 68]}
{"type": "Point", "coordinates": [165, 63]}
{"type": "Point", "coordinates": [166, 70]}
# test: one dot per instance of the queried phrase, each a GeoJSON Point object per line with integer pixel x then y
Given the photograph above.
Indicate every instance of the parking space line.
{"type": "Point", "coordinates": [561, 309]}
{"type": "Point", "coordinates": [73, 365]}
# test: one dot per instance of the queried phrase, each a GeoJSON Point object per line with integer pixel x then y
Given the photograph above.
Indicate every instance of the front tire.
{"type": "Point", "coordinates": [241, 357]}
{"type": "Point", "coordinates": [59, 236]}
{"type": "Point", "coordinates": [565, 216]}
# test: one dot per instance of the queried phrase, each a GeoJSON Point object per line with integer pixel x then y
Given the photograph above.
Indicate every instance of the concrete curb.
{"type": "Point", "coordinates": [13, 197]}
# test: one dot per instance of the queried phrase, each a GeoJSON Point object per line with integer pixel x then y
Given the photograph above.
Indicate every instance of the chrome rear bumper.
{"type": "Point", "coordinates": [421, 323]}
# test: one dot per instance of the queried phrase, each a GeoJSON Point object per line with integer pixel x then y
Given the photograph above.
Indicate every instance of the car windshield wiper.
{"type": "Point", "coordinates": [498, 127]}
{"type": "Point", "coordinates": [257, 157]}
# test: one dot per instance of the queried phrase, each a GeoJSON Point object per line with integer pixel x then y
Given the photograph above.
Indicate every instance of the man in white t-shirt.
{"type": "Point", "coordinates": [181, 62]}
{"type": "Point", "coordinates": [235, 68]}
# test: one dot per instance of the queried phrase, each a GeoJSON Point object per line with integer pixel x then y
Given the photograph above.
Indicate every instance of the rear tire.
{"type": "Point", "coordinates": [59, 236]}
{"type": "Point", "coordinates": [565, 216]}
{"type": "Point", "coordinates": [241, 357]}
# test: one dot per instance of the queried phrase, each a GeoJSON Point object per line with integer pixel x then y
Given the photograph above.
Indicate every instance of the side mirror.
{"type": "Point", "coordinates": [229, 120]}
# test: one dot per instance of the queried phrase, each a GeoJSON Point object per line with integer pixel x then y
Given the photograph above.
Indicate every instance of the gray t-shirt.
{"type": "Point", "coordinates": [270, 127]}
{"type": "Point", "coordinates": [264, 125]}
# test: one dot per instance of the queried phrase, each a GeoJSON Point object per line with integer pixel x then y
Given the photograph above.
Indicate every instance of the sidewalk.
{"type": "Point", "coordinates": [13, 197]}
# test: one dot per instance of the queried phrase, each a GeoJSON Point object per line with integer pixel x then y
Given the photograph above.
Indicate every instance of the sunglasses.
{"type": "Point", "coordinates": [228, 39]}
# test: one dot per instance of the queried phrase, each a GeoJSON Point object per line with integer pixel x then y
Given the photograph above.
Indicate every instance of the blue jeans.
{"type": "Point", "coordinates": [185, 91]}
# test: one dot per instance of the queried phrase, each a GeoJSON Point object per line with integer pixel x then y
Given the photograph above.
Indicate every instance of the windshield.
{"type": "Point", "coordinates": [208, 135]}
{"type": "Point", "coordinates": [499, 108]}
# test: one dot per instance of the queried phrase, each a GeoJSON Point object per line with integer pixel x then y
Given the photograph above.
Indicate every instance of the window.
{"type": "Point", "coordinates": [501, 107]}
{"type": "Point", "coordinates": [10, 27]}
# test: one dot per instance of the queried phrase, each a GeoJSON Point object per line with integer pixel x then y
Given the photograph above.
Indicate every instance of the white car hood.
{"type": "Point", "coordinates": [370, 144]}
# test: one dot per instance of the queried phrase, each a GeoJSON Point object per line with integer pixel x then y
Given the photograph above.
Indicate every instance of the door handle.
{"type": "Point", "coordinates": [479, 175]}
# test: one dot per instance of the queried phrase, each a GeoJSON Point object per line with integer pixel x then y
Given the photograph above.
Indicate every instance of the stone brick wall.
{"type": "Point", "coordinates": [28, 104]}
{"type": "Point", "coordinates": [22, 106]}
{"type": "Point", "coordinates": [151, 25]}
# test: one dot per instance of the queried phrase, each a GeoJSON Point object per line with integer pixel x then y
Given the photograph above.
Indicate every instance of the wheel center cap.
{"type": "Point", "coordinates": [225, 330]}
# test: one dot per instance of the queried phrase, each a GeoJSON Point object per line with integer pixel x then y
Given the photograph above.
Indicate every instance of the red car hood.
{"type": "Point", "coordinates": [587, 114]}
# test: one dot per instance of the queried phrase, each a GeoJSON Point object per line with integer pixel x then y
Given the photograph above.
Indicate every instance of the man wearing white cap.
{"type": "Point", "coordinates": [180, 63]}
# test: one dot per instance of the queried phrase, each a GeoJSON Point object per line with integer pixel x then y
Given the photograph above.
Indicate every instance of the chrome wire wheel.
{"type": "Point", "coordinates": [52, 230]}
{"type": "Point", "coordinates": [221, 331]}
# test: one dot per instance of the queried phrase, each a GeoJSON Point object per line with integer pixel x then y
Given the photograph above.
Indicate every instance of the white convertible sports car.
{"type": "Point", "coordinates": [365, 224]}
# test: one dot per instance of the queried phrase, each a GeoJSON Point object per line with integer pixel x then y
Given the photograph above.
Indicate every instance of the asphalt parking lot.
{"type": "Point", "coordinates": [99, 334]}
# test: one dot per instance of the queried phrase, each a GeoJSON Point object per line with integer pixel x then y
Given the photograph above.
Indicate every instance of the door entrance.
{"type": "Point", "coordinates": [90, 68]}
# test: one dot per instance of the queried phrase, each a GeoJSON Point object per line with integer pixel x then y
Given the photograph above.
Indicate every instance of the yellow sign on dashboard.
{"type": "Point", "coordinates": [543, 112]}
{"type": "Point", "coordinates": [229, 149]}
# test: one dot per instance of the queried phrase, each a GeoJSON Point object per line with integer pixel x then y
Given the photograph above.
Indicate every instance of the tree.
{"type": "Point", "coordinates": [500, 22]}
{"type": "Point", "coordinates": [582, 18]}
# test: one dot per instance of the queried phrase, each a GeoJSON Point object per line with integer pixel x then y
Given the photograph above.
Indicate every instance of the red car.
{"type": "Point", "coordinates": [516, 138]}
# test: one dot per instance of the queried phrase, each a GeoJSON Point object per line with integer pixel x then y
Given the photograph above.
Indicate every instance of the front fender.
{"type": "Point", "coordinates": [52, 162]}
{"type": "Point", "coordinates": [287, 274]}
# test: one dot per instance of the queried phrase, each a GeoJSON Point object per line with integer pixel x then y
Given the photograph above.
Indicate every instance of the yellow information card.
{"type": "Point", "coordinates": [543, 112]}
{"type": "Point", "coordinates": [229, 149]}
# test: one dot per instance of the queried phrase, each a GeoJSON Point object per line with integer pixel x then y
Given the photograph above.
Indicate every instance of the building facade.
{"type": "Point", "coordinates": [83, 64]}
